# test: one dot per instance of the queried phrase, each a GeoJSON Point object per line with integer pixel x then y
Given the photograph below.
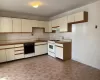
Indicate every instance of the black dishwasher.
{"type": "Point", "coordinates": [29, 48]}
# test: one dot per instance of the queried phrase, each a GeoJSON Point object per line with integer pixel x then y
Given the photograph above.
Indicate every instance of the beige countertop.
{"type": "Point", "coordinates": [19, 42]}
{"type": "Point", "coordinates": [12, 42]}
{"type": "Point", "coordinates": [64, 41]}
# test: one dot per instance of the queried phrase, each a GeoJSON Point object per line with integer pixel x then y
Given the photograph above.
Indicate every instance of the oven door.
{"type": "Point", "coordinates": [51, 48]}
{"type": "Point", "coordinates": [29, 48]}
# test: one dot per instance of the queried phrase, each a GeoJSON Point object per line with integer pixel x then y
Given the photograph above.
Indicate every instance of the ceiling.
{"type": "Point", "coordinates": [48, 9]}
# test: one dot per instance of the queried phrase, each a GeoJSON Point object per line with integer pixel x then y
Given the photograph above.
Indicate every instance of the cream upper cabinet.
{"type": "Point", "coordinates": [2, 56]}
{"type": "Point", "coordinates": [55, 22]}
{"type": "Point", "coordinates": [71, 18]}
{"type": "Point", "coordinates": [34, 23]}
{"type": "Point", "coordinates": [5, 24]}
{"type": "Point", "coordinates": [42, 24]}
{"type": "Point", "coordinates": [26, 25]}
{"type": "Point", "coordinates": [48, 28]}
{"type": "Point", "coordinates": [63, 24]}
{"type": "Point", "coordinates": [16, 25]}
{"type": "Point", "coordinates": [10, 54]}
{"type": "Point", "coordinates": [79, 16]}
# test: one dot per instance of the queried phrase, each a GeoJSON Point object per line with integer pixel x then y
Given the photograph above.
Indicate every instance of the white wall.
{"type": "Point", "coordinates": [85, 38]}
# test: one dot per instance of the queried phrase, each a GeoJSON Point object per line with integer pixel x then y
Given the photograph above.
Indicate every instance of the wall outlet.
{"type": "Point", "coordinates": [96, 26]}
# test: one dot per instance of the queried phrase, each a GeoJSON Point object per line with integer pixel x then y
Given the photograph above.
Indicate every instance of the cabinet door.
{"type": "Point", "coordinates": [59, 52]}
{"type": "Point", "coordinates": [34, 23]}
{"type": "Point", "coordinates": [63, 24]}
{"type": "Point", "coordinates": [16, 25]}
{"type": "Point", "coordinates": [55, 23]}
{"type": "Point", "coordinates": [10, 54]}
{"type": "Point", "coordinates": [79, 16]}
{"type": "Point", "coordinates": [2, 56]}
{"type": "Point", "coordinates": [19, 56]}
{"type": "Point", "coordinates": [6, 24]}
{"type": "Point", "coordinates": [48, 28]}
{"type": "Point", "coordinates": [42, 24]}
{"type": "Point", "coordinates": [71, 18]}
{"type": "Point", "coordinates": [40, 49]}
{"type": "Point", "coordinates": [26, 25]}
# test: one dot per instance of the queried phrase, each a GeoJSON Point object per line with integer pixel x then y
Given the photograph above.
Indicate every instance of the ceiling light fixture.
{"type": "Point", "coordinates": [35, 4]}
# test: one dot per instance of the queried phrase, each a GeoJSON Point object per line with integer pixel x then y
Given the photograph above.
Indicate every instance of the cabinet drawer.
{"type": "Point", "coordinates": [60, 45]}
{"type": "Point", "coordinates": [7, 46]}
{"type": "Point", "coordinates": [19, 45]}
{"type": "Point", "coordinates": [19, 56]}
{"type": "Point", "coordinates": [20, 48]}
{"type": "Point", "coordinates": [18, 52]}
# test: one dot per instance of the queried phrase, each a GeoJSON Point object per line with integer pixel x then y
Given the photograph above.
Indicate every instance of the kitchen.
{"type": "Point", "coordinates": [63, 38]}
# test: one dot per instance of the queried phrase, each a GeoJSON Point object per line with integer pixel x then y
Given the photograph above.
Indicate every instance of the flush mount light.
{"type": "Point", "coordinates": [35, 4]}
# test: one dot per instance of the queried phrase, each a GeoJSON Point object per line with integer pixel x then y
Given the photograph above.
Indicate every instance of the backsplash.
{"type": "Point", "coordinates": [59, 36]}
{"type": "Point", "coordinates": [38, 33]}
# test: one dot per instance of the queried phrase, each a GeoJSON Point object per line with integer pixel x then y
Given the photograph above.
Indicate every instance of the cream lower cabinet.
{"type": "Point", "coordinates": [5, 24]}
{"type": "Point", "coordinates": [59, 52]}
{"type": "Point", "coordinates": [63, 50]}
{"type": "Point", "coordinates": [40, 49]}
{"type": "Point", "coordinates": [63, 24]}
{"type": "Point", "coordinates": [10, 54]}
{"type": "Point", "coordinates": [19, 51]}
{"type": "Point", "coordinates": [2, 55]}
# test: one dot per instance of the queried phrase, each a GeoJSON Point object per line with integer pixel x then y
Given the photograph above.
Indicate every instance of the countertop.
{"type": "Point", "coordinates": [26, 41]}
{"type": "Point", "coordinates": [62, 42]}
{"type": "Point", "coordinates": [19, 42]}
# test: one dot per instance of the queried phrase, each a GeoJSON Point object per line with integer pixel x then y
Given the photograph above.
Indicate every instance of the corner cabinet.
{"type": "Point", "coordinates": [81, 16]}
{"type": "Point", "coordinates": [16, 25]}
{"type": "Point", "coordinates": [5, 24]}
{"type": "Point", "coordinates": [26, 25]}
{"type": "Point", "coordinates": [76, 18]}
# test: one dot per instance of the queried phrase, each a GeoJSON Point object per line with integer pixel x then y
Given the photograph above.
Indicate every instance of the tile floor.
{"type": "Point", "coordinates": [47, 68]}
